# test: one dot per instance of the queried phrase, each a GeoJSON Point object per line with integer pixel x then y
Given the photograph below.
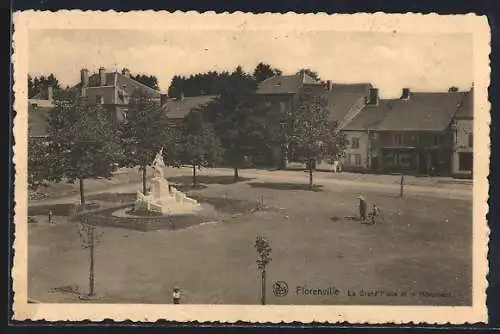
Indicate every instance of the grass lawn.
{"type": "Point", "coordinates": [421, 245]}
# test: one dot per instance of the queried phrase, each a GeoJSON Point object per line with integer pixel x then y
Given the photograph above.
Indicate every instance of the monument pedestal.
{"type": "Point", "coordinates": [163, 200]}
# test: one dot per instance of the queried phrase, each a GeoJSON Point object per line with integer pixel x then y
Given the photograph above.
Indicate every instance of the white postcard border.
{"type": "Point", "coordinates": [158, 20]}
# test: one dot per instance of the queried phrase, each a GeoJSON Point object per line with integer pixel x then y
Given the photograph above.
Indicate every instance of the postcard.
{"type": "Point", "coordinates": [251, 167]}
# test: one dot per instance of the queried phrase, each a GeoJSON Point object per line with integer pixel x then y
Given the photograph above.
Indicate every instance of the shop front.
{"type": "Point", "coordinates": [399, 160]}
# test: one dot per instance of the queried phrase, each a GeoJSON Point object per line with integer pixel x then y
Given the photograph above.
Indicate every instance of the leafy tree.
{"type": "Point", "coordinates": [38, 171]}
{"type": "Point", "coordinates": [38, 85]}
{"type": "Point", "coordinates": [312, 135]}
{"type": "Point", "coordinates": [148, 80]}
{"type": "Point", "coordinates": [209, 83]}
{"type": "Point", "coordinates": [263, 71]}
{"type": "Point", "coordinates": [228, 114]}
{"type": "Point", "coordinates": [143, 132]}
{"type": "Point", "coordinates": [196, 144]}
{"type": "Point", "coordinates": [453, 89]}
{"type": "Point", "coordinates": [31, 91]}
{"type": "Point", "coordinates": [82, 142]}
{"type": "Point", "coordinates": [264, 128]}
{"type": "Point", "coordinates": [309, 72]}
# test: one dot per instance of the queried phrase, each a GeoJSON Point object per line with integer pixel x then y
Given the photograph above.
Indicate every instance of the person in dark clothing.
{"type": "Point", "coordinates": [176, 296]}
{"type": "Point", "coordinates": [373, 214]}
{"type": "Point", "coordinates": [50, 217]}
{"type": "Point", "coordinates": [362, 209]}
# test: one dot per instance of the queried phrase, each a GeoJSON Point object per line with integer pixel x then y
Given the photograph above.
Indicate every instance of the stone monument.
{"type": "Point", "coordinates": [163, 198]}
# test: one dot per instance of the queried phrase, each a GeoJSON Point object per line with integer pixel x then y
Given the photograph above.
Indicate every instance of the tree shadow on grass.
{"type": "Point", "coordinates": [188, 187]}
{"type": "Point", "coordinates": [286, 186]}
{"type": "Point", "coordinates": [227, 205]}
{"type": "Point", "coordinates": [208, 179]}
{"type": "Point", "coordinates": [113, 197]}
{"type": "Point", "coordinates": [353, 218]}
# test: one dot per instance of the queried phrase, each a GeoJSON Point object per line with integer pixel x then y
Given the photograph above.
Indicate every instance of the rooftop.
{"type": "Point", "coordinates": [342, 97]}
{"type": "Point", "coordinates": [421, 112]}
{"type": "Point", "coordinates": [369, 117]}
{"type": "Point", "coordinates": [37, 121]}
{"type": "Point", "coordinates": [286, 84]}
{"type": "Point", "coordinates": [466, 110]}
{"type": "Point", "coordinates": [179, 108]}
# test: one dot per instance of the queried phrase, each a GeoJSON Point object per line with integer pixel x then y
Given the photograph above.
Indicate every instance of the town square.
{"type": "Point", "coordinates": [309, 215]}
{"type": "Point", "coordinates": [162, 169]}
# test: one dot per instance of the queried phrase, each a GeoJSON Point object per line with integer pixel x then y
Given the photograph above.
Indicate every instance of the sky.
{"type": "Point", "coordinates": [390, 61]}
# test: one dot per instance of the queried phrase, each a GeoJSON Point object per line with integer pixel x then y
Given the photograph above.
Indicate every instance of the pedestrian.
{"type": "Point", "coordinates": [50, 216]}
{"type": "Point", "coordinates": [373, 214]}
{"type": "Point", "coordinates": [362, 209]}
{"type": "Point", "coordinates": [176, 296]}
{"type": "Point", "coordinates": [335, 166]}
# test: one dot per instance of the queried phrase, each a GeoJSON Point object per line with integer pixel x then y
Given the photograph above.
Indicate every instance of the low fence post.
{"type": "Point", "coordinates": [402, 184]}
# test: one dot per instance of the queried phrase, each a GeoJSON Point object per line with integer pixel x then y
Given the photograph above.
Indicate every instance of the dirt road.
{"type": "Point", "coordinates": [128, 181]}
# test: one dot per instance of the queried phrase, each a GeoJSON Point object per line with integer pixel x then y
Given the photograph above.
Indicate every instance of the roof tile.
{"type": "Point", "coordinates": [422, 112]}
{"type": "Point", "coordinates": [178, 109]}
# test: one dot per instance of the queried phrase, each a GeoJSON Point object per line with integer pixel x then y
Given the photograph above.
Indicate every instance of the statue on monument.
{"type": "Point", "coordinates": [158, 164]}
{"type": "Point", "coordinates": [162, 198]}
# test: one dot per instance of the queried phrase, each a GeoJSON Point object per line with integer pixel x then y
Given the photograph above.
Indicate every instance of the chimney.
{"type": "Point", "coordinates": [102, 76]}
{"type": "Point", "coordinates": [303, 76]}
{"type": "Point", "coordinates": [126, 72]}
{"type": "Point", "coordinates": [50, 93]}
{"type": "Point", "coordinates": [84, 77]}
{"type": "Point", "coordinates": [163, 99]}
{"type": "Point", "coordinates": [373, 97]}
{"type": "Point", "coordinates": [406, 94]}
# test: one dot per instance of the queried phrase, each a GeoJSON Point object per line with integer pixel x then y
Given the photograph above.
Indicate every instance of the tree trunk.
{"type": "Point", "coordinates": [194, 175]}
{"type": "Point", "coordinates": [263, 290]}
{"type": "Point", "coordinates": [144, 190]}
{"type": "Point", "coordinates": [82, 192]}
{"type": "Point", "coordinates": [310, 174]}
{"type": "Point", "coordinates": [91, 269]}
{"type": "Point", "coordinates": [236, 175]}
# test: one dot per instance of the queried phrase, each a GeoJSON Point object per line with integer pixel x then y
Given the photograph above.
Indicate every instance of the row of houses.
{"type": "Point", "coordinates": [425, 133]}
{"type": "Point", "coordinates": [429, 133]}
{"type": "Point", "coordinates": [419, 133]}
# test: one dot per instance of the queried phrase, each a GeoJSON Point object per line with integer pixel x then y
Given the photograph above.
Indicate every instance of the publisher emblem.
{"type": "Point", "coordinates": [280, 288]}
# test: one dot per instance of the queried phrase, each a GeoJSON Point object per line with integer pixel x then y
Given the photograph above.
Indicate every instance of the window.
{"type": "Point", "coordinates": [355, 143]}
{"type": "Point", "coordinates": [99, 99]}
{"type": "Point", "coordinates": [357, 159]}
{"type": "Point", "coordinates": [348, 159]}
{"type": "Point", "coordinates": [436, 140]}
{"type": "Point", "coordinates": [34, 106]}
{"type": "Point", "coordinates": [397, 140]}
{"type": "Point", "coordinates": [471, 140]}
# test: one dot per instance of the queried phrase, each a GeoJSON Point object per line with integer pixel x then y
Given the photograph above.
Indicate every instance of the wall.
{"type": "Point", "coordinates": [107, 92]}
{"type": "Point", "coordinates": [464, 127]}
{"type": "Point", "coordinates": [416, 139]}
{"type": "Point", "coordinates": [417, 152]}
{"type": "Point", "coordinates": [362, 150]}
